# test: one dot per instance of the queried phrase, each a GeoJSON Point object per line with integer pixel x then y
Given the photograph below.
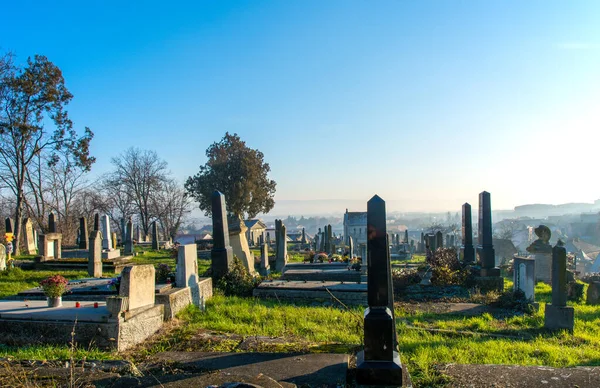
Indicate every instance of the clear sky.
{"type": "Point", "coordinates": [423, 102]}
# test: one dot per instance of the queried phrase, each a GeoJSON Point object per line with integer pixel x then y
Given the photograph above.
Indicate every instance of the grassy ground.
{"type": "Point", "coordinates": [16, 280]}
{"type": "Point", "coordinates": [164, 257]}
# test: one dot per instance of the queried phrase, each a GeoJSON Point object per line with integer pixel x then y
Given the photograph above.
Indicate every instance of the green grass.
{"type": "Point", "coordinates": [416, 259]}
{"type": "Point", "coordinates": [54, 352]}
{"type": "Point", "coordinates": [16, 280]}
{"type": "Point", "coordinates": [164, 257]}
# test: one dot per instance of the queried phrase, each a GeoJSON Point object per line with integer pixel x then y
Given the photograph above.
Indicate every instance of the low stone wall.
{"type": "Point", "coordinates": [139, 325]}
{"type": "Point", "coordinates": [176, 299]}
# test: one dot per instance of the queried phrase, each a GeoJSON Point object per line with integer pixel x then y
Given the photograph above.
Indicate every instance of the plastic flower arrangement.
{"type": "Point", "coordinates": [54, 286]}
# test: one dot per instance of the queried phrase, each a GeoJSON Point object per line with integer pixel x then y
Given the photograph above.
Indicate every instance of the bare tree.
{"type": "Point", "coordinates": [142, 174]}
{"type": "Point", "coordinates": [172, 205]}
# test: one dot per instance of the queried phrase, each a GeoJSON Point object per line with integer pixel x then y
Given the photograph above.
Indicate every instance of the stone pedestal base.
{"type": "Point", "coordinates": [489, 272]}
{"type": "Point", "coordinates": [221, 261]}
{"type": "Point", "coordinates": [467, 254]}
{"type": "Point", "coordinates": [112, 254]}
{"type": "Point", "coordinates": [379, 372]}
{"type": "Point", "coordinates": [264, 271]}
{"type": "Point", "coordinates": [559, 318]}
{"type": "Point", "coordinates": [489, 283]}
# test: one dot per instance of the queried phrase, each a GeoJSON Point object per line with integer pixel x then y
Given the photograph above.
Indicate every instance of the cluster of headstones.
{"type": "Point", "coordinates": [324, 240]}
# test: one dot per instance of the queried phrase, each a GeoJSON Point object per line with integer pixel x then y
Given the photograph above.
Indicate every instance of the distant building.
{"type": "Point", "coordinates": [255, 229]}
{"type": "Point", "coordinates": [355, 226]}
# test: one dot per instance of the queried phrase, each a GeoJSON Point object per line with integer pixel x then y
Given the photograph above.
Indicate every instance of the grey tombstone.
{"type": "Point", "coordinates": [123, 231]}
{"type": "Point", "coordinates": [138, 234]}
{"type": "Point", "coordinates": [96, 222]}
{"type": "Point", "coordinates": [541, 251]}
{"type": "Point", "coordinates": [221, 254]}
{"type": "Point", "coordinates": [524, 276]}
{"type": "Point", "coordinates": [155, 235]}
{"type": "Point", "coordinates": [593, 294]}
{"type": "Point", "coordinates": [406, 236]}
{"type": "Point", "coordinates": [467, 249]}
{"type": "Point", "coordinates": [9, 225]}
{"type": "Point", "coordinates": [379, 362]}
{"type": "Point", "coordinates": [29, 237]}
{"type": "Point", "coordinates": [138, 285]}
{"type": "Point", "coordinates": [281, 241]}
{"type": "Point", "coordinates": [558, 315]}
{"type": "Point", "coordinates": [95, 254]}
{"type": "Point", "coordinates": [83, 233]}
{"type": "Point", "coordinates": [128, 242]}
{"type": "Point", "coordinates": [106, 235]}
{"type": "Point", "coordinates": [113, 237]}
{"type": "Point", "coordinates": [317, 242]}
{"type": "Point", "coordinates": [303, 241]}
{"type": "Point", "coordinates": [186, 273]}
{"type": "Point", "coordinates": [439, 240]}
{"type": "Point", "coordinates": [350, 248]}
{"type": "Point", "coordinates": [2, 257]}
{"type": "Point", "coordinates": [265, 268]}
{"type": "Point", "coordinates": [485, 249]}
{"type": "Point", "coordinates": [51, 223]}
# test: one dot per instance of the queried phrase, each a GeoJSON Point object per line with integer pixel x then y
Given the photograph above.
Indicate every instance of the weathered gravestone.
{"type": "Point", "coordinates": [239, 242]}
{"type": "Point", "coordinates": [439, 240]}
{"type": "Point", "coordinates": [83, 233]}
{"type": "Point", "coordinates": [265, 269]}
{"type": "Point", "coordinates": [51, 223]}
{"type": "Point", "coordinates": [2, 257]}
{"type": "Point", "coordinates": [106, 235]}
{"type": "Point", "coordinates": [350, 248]}
{"type": "Point", "coordinates": [138, 285]}
{"type": "Point", "coordinates": [281, 241]}
{"type": "Point", "coordinates": [489, 279]}
{"type": "Point", "coordinates": [541, 251]}
{"type": "Point", "coordinates": [467, 251]}
{"type": "Point", "coordinates": [114, 239]}
{"type": "Point", "coordinates": [96, 222]}
{"type": "Point", "coordinates": [123, 231]}
{"type": "Point", "coordinates": [138, 234]}
{"type": "Point", "coordinates": [154, 235]}
{"type": "Point", "coordinates": [186, 274]}
{"type": "Point", "coordinates": [593, 293]}
{"type": "Point", "coordinates": [558, 315]}
{"type": "Point", "coordinates": [29, 238]}
{"type": "Point", "coordinates": [524, 276]}
{"type": "Point", "coordinates": [379, 362]}
{"type": "Point", "coordinates": [50, 244]}
{"type": "Point", "coordinates": [128, 242]}
{"type": "Point", "coordinates": [95, 254]}
{"type": "Point", "coordinates": [221, 254]}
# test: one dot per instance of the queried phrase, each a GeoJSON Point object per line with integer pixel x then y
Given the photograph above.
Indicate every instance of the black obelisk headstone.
{"type": "Point", "coordinates": [221, 253]}
{"type": "Point", "coordinates": [9, 225]}
{"type": "Point", "coordinates": [51, 223]}
{"type": "Point", "coordinates": [379, 362]}
{"type": "Point", "coordinates": [83, 234]}
{"type": "Point", "coordinates": [485, 249]}
{"type": "Point", "coordinates": [96, 222]}
{"type": "Point", "coordinates": [467, 249]}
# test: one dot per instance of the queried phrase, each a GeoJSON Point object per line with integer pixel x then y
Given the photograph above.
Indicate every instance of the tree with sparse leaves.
{"type": "Point", "coordinates": [34, 121]}
{"type": "Point", "coordinates": [237, 171]}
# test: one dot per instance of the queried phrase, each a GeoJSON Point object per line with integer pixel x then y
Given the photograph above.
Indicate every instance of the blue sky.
{"type": "Point", "coordinates": [424, 102]}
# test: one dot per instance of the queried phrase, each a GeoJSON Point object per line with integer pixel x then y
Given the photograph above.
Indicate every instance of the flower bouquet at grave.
{"type": "Point", "coordinates": [54, 286]}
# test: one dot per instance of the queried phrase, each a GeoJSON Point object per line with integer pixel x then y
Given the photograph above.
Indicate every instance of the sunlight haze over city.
{"type": "Point", "coordinates": [425, 103]}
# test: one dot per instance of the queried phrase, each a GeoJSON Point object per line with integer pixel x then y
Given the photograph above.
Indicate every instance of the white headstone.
{"type": "Point", "coordinates": [106, 235]}
{"type": "Point", "coordinates": [186, 274]}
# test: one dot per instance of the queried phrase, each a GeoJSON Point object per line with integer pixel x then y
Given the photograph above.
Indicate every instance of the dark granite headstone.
{"type": "Point", "coordinates": [83, 234]}
{"type": "Point", "coordinates": [485, 249]}
{"type": "Point", "coordinates": [221, 253]}
{"type": "Point", "coordinates": [51, 223]}
{"type": "Point", "coordinates": [128, 242]}
{"type": "Point", "coordinates": [379, 362]}
{"type": "Point", "coordinates": [558, 315]}
{"type": "Point", "coordinates": [439, 240]}
{"type": "Point", "coordinates": [9, 225]}
{"type": "Point", "coordinates": [96, 222]}
{"type": "Point", "coordinates": [467, 249]}
{"type": "Point", "coordinates": [154, 235]}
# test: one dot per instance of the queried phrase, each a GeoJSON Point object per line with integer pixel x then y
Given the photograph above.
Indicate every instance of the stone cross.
{"type": "Point", "coordinates": [467, 249]}
{"type": "Point", "coordinates": [128, 242]}
{"type": "Point", "coordinates": [51, 223]}
{"type": "Point", "coordinates": [379, 362]}
{"type": "Point", "coordinates": [155, 235]}
{"type": "Point", "coordinates": [106, 235]}
{"type": "Point", "coordinates": [221, 253]}
{"type": "Point", "coordinates": [95, 254]}
{"type": "Point", "coordinates": [558, 315]}
{"type": "Point", "coordinates": [83, 233]}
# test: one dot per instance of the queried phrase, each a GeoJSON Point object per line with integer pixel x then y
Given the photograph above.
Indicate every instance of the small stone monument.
{"type": "Point", "coordinates": [541, 251]}
{"type": "Point", "coordinates": [186, 273]}
{"type": "Point", "coordinates": [281, 241]}
{"type": "Point", "coordinates": [96, 222]}
{"type": "Point", "coordinates": [123, 231]}
{"type": "Point", "coordinates": [558, 315]}
{"type": "Point", "coordinates": [439, 239]}
{"type": "Point", "coordinates": [467, 251]}
{"type": "Point", "coordinates": [95, 254]}
{"type": "Point", "coordinates": [593, 294]}
{"type": "Point", "coordinates": [51, 223]}
{"type": "Point", "coordinates": [114, 239]}
{"type": "Point", "coordinates": [350, 248]}
{"type": "Point", "coordinates": [83, 233]}
{"type": "Point", "coordinates": [29, 238]}
{"type": "Point", "coordinates": [221, 254]}
{"type": "Point", "coordinates": [265, 269]}
{"type": "Point", "coordinates": [50, 244]}
{"type": "Point", "coordinates": [379, 362]}
{"type": "Point", "coordinates": [239, 242]}
{"type": "Point", "coordinates": [138, 285]}
{"type": "Point", "coordinates": [106, 235]}
{"type": "Point", "coordinates": [155, 235]}
{"type": "Point", "coordinates": [524, 276]}
{"type": "Point", "coordinates": [128, 242]}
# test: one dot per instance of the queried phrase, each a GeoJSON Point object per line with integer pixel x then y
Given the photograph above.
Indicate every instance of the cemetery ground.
{"type": "Point", "coordinates": [435, 338]}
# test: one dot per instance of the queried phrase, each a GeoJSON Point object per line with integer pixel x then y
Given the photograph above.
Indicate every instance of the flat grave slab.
{"type": "Point", "coordinates": [81, 287]}
{"type": "Point", "coordinates": [321, 266]}
{"type": "Point", "coordinates": [38, 310]}
{"type": "Point", "coordinates": [341, 275]}
{"type": "Point", "coordinates": [319, 291]}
